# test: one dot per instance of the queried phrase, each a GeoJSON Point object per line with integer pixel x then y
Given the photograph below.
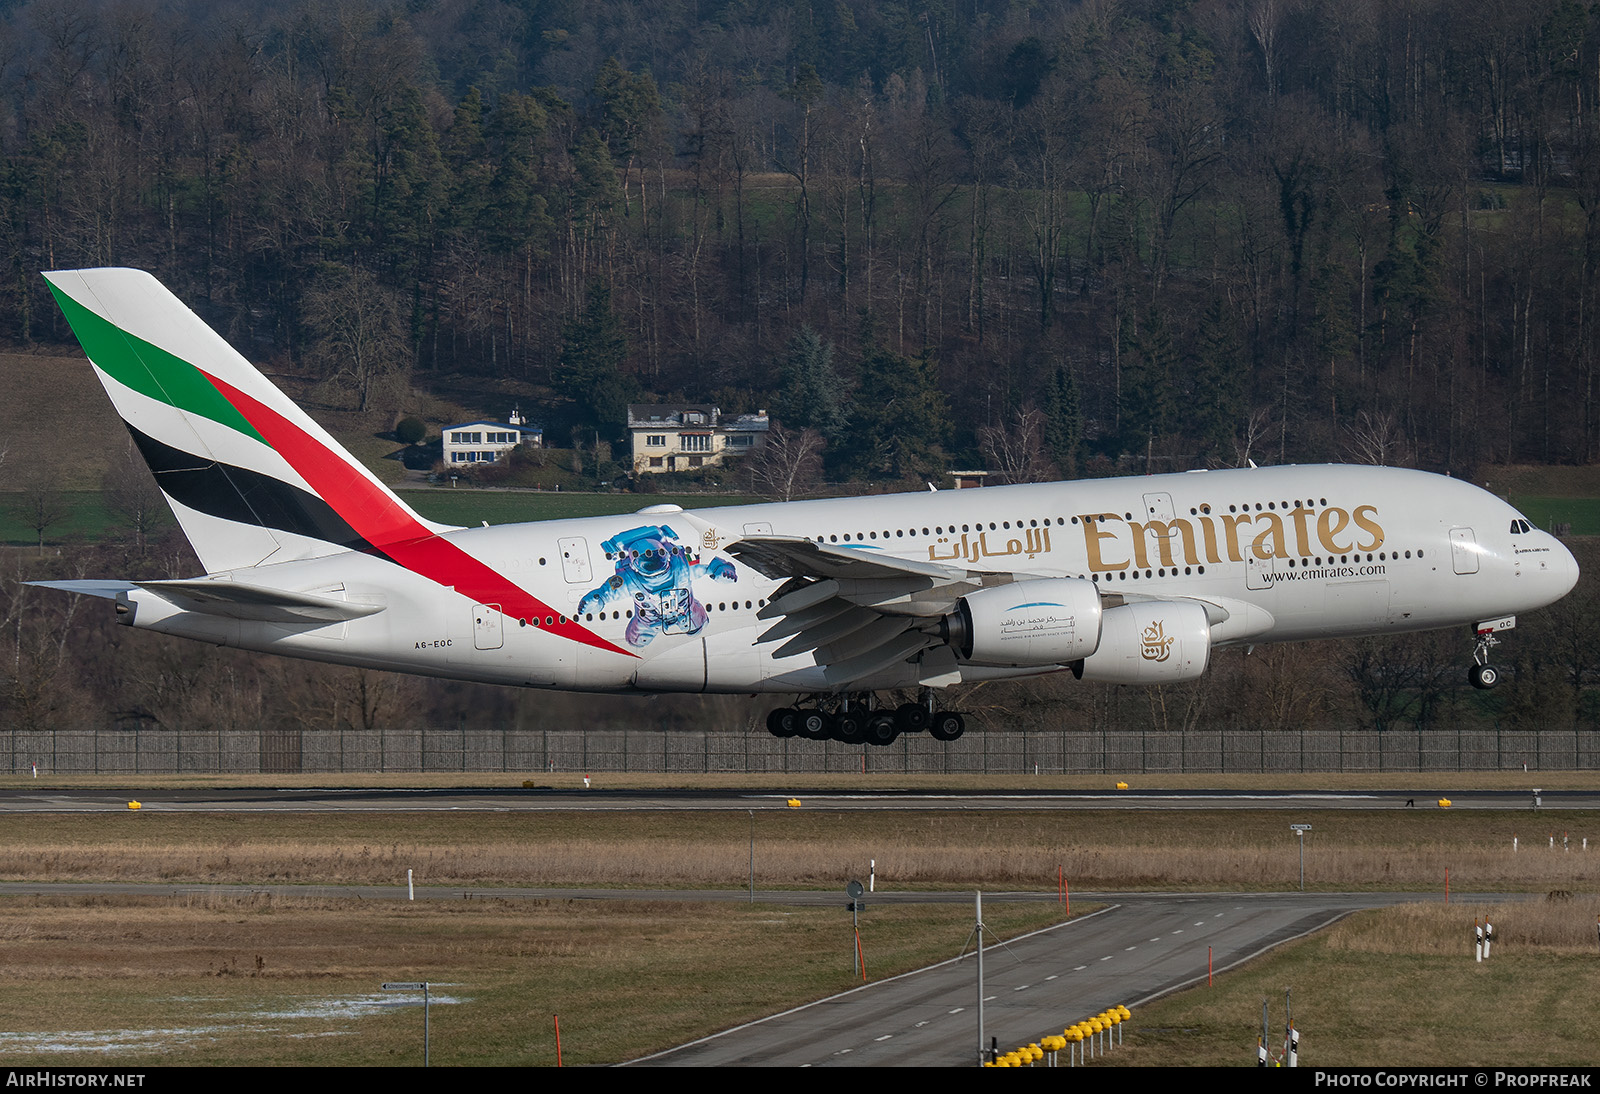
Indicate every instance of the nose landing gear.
{"type": "Point", "coordinates": [1481, 674]}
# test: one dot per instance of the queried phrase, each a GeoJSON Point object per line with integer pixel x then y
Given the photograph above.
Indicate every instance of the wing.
{"type": "Point", "coordinates": [857, 610]}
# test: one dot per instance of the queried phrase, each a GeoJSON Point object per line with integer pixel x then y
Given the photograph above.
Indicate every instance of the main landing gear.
{"type": "Point", "coordinates": [1481, 674]}
{"type": "Point", "coordinates": [858, 719]}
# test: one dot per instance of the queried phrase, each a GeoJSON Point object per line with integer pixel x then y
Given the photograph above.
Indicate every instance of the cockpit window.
{"type": "Point", "coordinates": [1520, 527]}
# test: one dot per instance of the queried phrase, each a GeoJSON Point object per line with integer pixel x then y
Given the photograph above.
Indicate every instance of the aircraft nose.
{"type": "Point", "coordinates": [1566, 568]}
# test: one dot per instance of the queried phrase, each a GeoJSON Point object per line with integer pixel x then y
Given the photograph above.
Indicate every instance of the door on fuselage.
{"type": "Point", "coordinates": [1258, 571]}
{"type": "Point", "coordinates": [1463, 551]}
{"type": "Point", "coordinates": [486, 632]}
{"type": "Point", "coordinates": [575, 560]}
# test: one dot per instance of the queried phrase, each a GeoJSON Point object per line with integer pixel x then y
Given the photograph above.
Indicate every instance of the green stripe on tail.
{"type": "Point", "coordinates": [149, 369]}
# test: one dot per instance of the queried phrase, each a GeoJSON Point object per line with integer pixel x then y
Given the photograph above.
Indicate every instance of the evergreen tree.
{"type": "Point", "coordinates": [515, 218]}
{"type": "Point", "coordinates": [1216, 405]}
{"type": "Point", "coordinates": [813, 394]}
{"type": "Point", "coordinates": [900, 421]}
{"type": "Point", "coordinates": [1147, 387]}
{"type": "Point", "coordinates": [1063, 424]}
{"type": "Point", "coordinates": [590, 369]}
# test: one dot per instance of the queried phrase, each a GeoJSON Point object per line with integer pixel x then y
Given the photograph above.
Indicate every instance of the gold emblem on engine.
{"type": "Point", "coordinates": [1154, 643]}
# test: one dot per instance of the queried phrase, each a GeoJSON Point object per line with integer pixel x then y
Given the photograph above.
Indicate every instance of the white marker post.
{"type": "Point", "coordinates": [1301, 830]}
{"type": "Point", "coordinates": [1477, 947]}
{"type": "Point", "coordinates": [1291, 1036]}
{"type": "Point", "coordinates": [1488, 937]}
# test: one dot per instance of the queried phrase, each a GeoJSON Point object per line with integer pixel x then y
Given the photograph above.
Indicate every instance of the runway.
{"type": "Point", "coordinates": [25, 799]}
{"type": "Point", "coordinates": [1138, 948]}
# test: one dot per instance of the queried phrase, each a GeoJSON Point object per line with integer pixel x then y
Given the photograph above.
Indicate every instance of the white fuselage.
{"type": "Point", "coordinates": [1285, 553]}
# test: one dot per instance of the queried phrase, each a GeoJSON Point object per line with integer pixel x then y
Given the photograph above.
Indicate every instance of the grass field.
{"type": "Point", "coordinates": [469, 507]}
{"type": "Point", "coordinates": [87, 517]}
{"type": "Point", "coordinates": [1582, 514]}
{"type": "Point", "coordinates": [204, 978]}
{"type": "Point", "coordinates": [1399, 987]}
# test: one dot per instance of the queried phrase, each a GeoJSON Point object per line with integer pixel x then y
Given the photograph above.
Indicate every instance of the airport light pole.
{"type": "Point", "coordinates": [1301, 830]}
{"type": "Point", "coordinates": [979, 929]}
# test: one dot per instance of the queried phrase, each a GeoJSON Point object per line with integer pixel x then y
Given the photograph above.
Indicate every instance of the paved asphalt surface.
{"type": "Point", "coordinates": [19, 799]}
{"type": "Point", "coordinates": [1140, 947]}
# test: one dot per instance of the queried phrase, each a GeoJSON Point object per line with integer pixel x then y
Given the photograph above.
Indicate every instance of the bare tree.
{"type": "Point", "coordinates": [788, 465]}
{"type": "Point", "coordinates": [1376, 438]}
{"type": "Point", "coordinates": [360, 339]}
{"type": "Point", "coordinates": [1015, 450]}
{"type": "Point", "coordinates": [1253, 432]}
{"type": "Point", "coordinates": [41, 505]}
{"type": "Point", "coordinates": [131, 493]}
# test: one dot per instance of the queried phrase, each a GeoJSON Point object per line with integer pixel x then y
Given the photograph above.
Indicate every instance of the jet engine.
{"type": "Point", "coordinates": [1049, 621]}
{"type": "Point", "coordinates": [1150, 642]}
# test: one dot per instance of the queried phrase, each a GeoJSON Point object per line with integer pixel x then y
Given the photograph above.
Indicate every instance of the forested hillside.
{"type": "Point", "coordinates": [1054, 238]}
{"type": "Point", "coordinates": [1180, 232]}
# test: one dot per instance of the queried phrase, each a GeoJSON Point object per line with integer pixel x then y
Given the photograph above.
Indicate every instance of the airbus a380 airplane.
{"type": "Point", "coordinates": [1132, 580]}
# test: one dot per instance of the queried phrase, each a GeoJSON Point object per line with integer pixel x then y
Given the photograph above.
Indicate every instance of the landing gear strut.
{"type": "Point", "coordinates": [1481, 674]}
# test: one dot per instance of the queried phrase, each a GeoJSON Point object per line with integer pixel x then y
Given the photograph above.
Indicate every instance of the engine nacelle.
{"type": "Point", "coordinates": [1049, 621]}
{"type": "Point", "coordinates": [1150, 642]}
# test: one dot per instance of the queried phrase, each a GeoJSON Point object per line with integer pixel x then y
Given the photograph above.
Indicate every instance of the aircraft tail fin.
{"type": "Point", "coordinates": [250, 477]}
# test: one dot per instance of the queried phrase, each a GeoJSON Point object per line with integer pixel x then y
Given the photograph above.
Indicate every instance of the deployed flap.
{"type": "Point", "coordinates": [857, 610]}
{"type": "Point", "coordinates": [237, 600]}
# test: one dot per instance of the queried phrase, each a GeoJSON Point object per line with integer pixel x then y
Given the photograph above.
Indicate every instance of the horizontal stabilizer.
{"type": "Point", "coordinates": [107, 590]}
{"type": "Point", "coordinates": [236, 600]}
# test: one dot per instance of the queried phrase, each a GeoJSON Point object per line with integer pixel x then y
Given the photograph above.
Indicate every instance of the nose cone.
{"type": "Point", "coordinates": [1566, 570]}
{"type": "Point", "coordinates": [1554, 572]}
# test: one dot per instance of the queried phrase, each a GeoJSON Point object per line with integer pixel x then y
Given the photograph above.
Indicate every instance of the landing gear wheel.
{"type": "Point", "coordinates": [783, 722]}
{"type": "Point", "coordinates": [881, 730]}
{"type": "Point", "coordinates": [814, 725]}
{"type": "Point", "coordinates": [947, 726]}
{"type": "Point", "coordinates": [1483, 677]}
{"type": "Point", "coordinates": [912, 718]}
{"type": "Point", "coordinates": [850, 726]}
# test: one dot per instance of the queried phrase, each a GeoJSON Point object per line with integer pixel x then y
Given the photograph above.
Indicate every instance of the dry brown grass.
{"type": "Point", "coordinates": [1560, 926]}
{"type": "Point", "coordinates": [1400, 987]}
{"type": "Point", "coordinates": [1399, 849]}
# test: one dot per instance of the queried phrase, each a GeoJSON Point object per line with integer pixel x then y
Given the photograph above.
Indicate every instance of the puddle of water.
{"type": "Point", "coordinates": [255, 1021]}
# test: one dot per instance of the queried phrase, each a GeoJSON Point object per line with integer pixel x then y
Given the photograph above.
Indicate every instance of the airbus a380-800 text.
{"type": "Point", "coordinates": [831, 603]}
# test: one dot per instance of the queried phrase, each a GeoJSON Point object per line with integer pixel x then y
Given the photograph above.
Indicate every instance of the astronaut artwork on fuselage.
{"type": "Point", "coordinates": [836, 602]}
{"type": "Point", "coordinates": [655, 576]}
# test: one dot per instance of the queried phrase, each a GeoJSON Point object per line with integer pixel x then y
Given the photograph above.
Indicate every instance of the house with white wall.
{"type": "Point", "coordinates": [688, 436]}
{"type": "Point", "coordinates": [472, 443]}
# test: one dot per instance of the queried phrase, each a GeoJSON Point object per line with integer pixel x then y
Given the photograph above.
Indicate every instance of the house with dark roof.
{"type": "Point", "coordinates": [688, 436]}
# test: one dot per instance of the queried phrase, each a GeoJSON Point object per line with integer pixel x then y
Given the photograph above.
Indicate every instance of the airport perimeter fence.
{"type": "Point", "coordinates": [531, 752]}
